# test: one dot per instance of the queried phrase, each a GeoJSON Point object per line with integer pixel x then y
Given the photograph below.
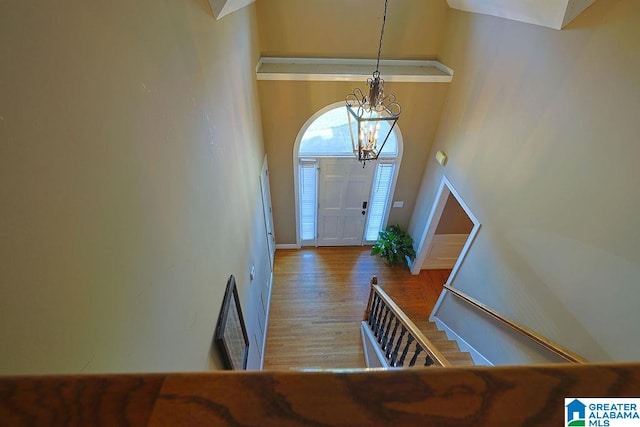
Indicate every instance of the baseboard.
{"type": "Point", "coordinates": [478, 359]}
{"type": "Point", "coordinates": [287, 246]}
{"type": "Point", "coordinates": [411, 263]}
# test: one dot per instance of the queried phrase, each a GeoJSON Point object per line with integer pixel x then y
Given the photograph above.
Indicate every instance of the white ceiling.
{"type": "Point", "coordinates": [548, 13]}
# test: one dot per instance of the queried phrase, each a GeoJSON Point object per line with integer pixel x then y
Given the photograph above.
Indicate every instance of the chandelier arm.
{"type": "Point", "coordinates": [394, 109]}
{"type": "Point", "coordinates": [390, 105]}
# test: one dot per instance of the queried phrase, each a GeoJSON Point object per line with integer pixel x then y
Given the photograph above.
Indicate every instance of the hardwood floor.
{"type": "Point", "coordinates": [318, 300]}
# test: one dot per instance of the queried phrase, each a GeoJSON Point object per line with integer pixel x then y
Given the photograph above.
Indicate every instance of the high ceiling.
{"type": "Point", "coordinates": [548, 13]}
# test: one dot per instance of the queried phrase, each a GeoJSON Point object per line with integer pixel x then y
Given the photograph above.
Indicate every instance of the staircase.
{"type": "Point", "coordinates": [447, 347]}
{"type": "Point", "coordinates": [391, 338]}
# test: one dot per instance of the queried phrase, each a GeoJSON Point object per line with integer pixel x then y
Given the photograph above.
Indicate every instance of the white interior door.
{"type": "Point", "coordinates": [268, 213]}
{"type": "Point", "coordinates": [343, 195]}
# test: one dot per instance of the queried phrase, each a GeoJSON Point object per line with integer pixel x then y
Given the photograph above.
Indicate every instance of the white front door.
{"type": "Point", "coordinates": [343, 195]}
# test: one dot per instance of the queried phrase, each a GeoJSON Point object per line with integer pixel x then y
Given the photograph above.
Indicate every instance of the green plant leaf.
{"type": "Point", "coordinates": [394, 245]}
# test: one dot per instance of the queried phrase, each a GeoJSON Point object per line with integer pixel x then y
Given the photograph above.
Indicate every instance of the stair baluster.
{"type": "Point", "coordinates": [374, 303]}
{"type": "Point", "coordinates": [428, 361]}
{"type": "Point", "coordinates": [394, 355]}
{"type": "Point", "coordinates": [406, 350]}
{"type": "Point", "coordinates": [382, 325]}
{"type": "Point", "coordinates": [385, 336]}
{"type": "Point", "coordinates": [416, 353]}
{"type": "Point", "coordinates": [376, 313]}
{"type": "Point", "coordinates": [389, 348]}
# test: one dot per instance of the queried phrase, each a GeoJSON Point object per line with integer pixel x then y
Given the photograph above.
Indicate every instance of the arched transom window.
{"type": "Point", "coordinates": [328, 135]}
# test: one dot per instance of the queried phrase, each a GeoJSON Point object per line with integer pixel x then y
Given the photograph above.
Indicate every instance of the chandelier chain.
{"type": "Point", "coordinates": [384, 20]}
{"type": "Point", "coordinates": [371, 110]}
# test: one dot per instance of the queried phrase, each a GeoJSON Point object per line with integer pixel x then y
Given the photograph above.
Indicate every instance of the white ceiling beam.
{"type": "Point", "coordinates": [547, 13]}
{"type": "Point", "coordinates": [222, 8]}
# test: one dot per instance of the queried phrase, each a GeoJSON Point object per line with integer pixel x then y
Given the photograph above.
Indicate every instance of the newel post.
{"type": "Point", "coordinates": [374, 281]}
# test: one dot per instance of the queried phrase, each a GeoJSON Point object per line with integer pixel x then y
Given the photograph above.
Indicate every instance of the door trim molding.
{"type": "Point", "coordinates": [266, 321]}
{"type": "Point", "coordinates": [444, 190]}
{"type": "Point", "coordinates": [287, 246]}
{"type": "Point", "coordinates": [267, 210]}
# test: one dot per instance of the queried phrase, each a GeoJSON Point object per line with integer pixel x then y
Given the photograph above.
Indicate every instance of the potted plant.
{"type": "Point", "coordinates": [395, 246]}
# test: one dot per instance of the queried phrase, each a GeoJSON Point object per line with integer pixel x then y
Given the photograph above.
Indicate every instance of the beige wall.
{"type": "Point", "coordinates": [130, 151]}
{"type": "Point", "coordinates": [351, 29]}
{"type": "Point", "coordinates": [541, 130]}
{"type": "Point", "coordinates": [286, 106]}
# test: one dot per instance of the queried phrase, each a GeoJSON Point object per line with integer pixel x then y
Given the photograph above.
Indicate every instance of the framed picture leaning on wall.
{"type": "Point", "coordinates": [230, 337]}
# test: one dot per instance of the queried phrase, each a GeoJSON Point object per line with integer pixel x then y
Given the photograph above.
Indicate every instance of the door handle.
{"type": "Point", "coordinates": [364, 205]}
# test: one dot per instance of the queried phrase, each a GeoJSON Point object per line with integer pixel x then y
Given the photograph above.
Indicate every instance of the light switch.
{"type": "Point", "coordinates": [441, 158]}
{"type": "Point", "coordinates": [398, 204]}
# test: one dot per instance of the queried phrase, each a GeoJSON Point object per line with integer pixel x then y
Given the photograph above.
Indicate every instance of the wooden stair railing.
{"type": "Point", "coordinates": [543, 341]}
{"type": "Point", "coordinates": [476, 396]}
{"type": "Point", "coordinates": [396, 334]}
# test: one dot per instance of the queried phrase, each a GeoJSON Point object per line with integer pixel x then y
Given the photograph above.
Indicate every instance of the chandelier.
{"type": "Point", "coordinates": [372, 114]}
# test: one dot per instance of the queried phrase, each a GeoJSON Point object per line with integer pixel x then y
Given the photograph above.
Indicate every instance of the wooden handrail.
{"type": "Point", "coordinates": [438, 358]}
{"type": "Point", "coordinates": [478, 396]}
{"type": "Point", "coordinates": [545, 342]}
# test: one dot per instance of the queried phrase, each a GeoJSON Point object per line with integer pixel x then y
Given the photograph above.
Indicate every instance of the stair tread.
{"type": "Point", "coordinates": [446, 346]}
{"type": "Point", "coordinates": [437, 337]}
{"type": "Point", "coordinates": [459, 358]}
{"type": "Point", "coordinates": [449, 348]}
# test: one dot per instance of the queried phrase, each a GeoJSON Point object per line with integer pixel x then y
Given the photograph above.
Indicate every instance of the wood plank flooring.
{"type": "Point", "coordinates": [318, 300]}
